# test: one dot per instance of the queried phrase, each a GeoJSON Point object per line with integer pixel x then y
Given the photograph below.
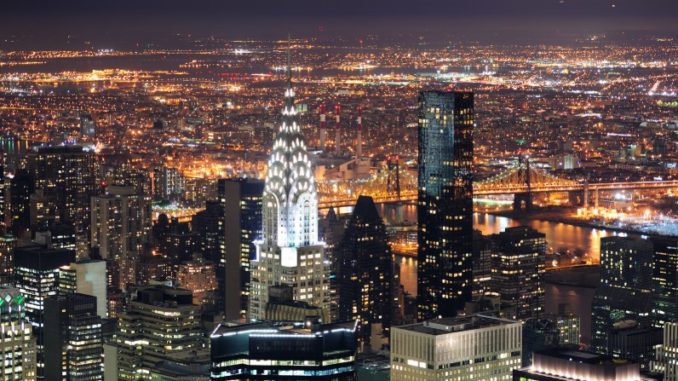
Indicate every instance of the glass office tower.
{"type": "Point", "coordinates": [445, 202]}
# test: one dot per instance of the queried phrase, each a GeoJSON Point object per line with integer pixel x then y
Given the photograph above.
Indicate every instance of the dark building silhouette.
{"type": "Point", "coordinates": [241, 200]}
{"type": "Point", "coordinates": [365, 270]}
{"type": "Point", "coordinates": [20, 189]}
{"type": "Point", "coordinates": [445, 202]}
{"type": "Point", "coordinates": [209, 224]}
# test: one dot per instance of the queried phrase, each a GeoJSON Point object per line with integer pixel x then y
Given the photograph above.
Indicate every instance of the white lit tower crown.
{"type": "Point", "coordinates": [289, 252]}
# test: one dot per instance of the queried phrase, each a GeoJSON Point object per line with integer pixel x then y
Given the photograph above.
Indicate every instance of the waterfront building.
{"type": "Point", "coordinates": [365, 270]}
{"type": "Point", "coordinates": [289, 252]}
{"type": "Point", "coordinates": [445, 202]}
{"type": "Point", "coordinates": [284, 352]}
{"type": "Point", "coordinates": [625, 290]}
{"type": "Point", "coordinates": [518, 266]}
{"type": "Point", "coordinates": [474, 347]}
{"type": "Point", "coordinates": [241, 203]}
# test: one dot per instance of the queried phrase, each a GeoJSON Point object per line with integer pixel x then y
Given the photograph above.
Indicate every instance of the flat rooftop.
{"type": "Point", "coordinates": [445, 326]}
{"type": "Point", "coordinates": [583, 357]}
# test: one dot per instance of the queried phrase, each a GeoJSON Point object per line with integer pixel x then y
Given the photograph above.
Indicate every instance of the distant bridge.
{"type": "Point", "coordinates": [390, 185]}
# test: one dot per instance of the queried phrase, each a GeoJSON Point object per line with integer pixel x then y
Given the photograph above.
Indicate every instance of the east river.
{"type": "Point", "coordinates": [574, 297]}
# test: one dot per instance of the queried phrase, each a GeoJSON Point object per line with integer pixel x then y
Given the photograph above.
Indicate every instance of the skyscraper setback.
{"type": "Point", "coordinates": [445, 202]}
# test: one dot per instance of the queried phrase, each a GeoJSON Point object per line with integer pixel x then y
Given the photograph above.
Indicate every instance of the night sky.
{"type": "Point", "coordinates": [114, 21]}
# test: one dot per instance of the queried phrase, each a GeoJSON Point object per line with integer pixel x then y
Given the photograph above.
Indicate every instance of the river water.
{"type": "Point", "coordinates": [576, 299]}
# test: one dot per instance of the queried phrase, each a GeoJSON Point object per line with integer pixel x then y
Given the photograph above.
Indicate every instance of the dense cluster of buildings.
{"type": "Point", "coordinates": [102, 280]}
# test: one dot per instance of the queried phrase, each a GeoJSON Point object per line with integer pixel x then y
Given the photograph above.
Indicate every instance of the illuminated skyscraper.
{"type": "Point", "coordinates": [518, 268]}
{"type": "Point", "coordinates": [160, 325]}
{"type": "Point", "coordinates": [69, 174]}
{"type": "Point", "coordinates": [17, 343]}
{"type": "Point", "coordinates": [120, 225]}
{"type": "Point", "coordinates": [445, 203]}
{"type": "Point", "coordinates": [625, 290]}
{"type": "Point", "coordinates": [36, 273]}
{"type": "Point", "coordinates": [289, 252]}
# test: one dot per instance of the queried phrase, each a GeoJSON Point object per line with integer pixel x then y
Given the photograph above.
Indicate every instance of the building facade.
{"type": "Point", "coordinates": [301, 351]}
{"type": "Point", "coordinates": [666, 360]}
{"type": "Point", "coordinates": [36, 274]}
{"type": "Point", "coordinates": [445, 203]}
{"type": "Point", "coordinates": [17, 343]}
{"type": "Point", "coordinates": [69, 174]}
{"type": "Point", "coordinates": [665, 279]}
{"type": "Point", "coordinates": [567, 364]}
{"type": "Point", "coordinates": [625, 290]}
{"type": "Point", "coordinates": [241, 202]}
{"type": "Point", "coordinates": [120, 225]}
{"type": "Point", "coordinates": [73, 338]}
{"type": "Point", "coordinates": [365, 270]}
{"type": "Point", "coordinates": [518, 268]}
{"type": "Point", "coordinates": [160, 324]}
{"type": "Point", "coordinates": [474, 347]}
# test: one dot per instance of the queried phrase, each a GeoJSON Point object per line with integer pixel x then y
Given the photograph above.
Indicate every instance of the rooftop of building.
{"type": "Point", "coordinates": [291, 328]}
{"type": "Point", "coordinates": [444, 326]}
{"type": "Point", "coordinates": [583, 357]}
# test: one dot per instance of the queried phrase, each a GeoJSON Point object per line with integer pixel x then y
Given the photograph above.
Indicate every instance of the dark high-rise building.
{"type": "Point", "coordinates": [365, 270]}
{"type": "Point", "coordinates": [73, 338]}
{"type": "Point", "coordinates": [482, 264]}
{"type": "Point", "coordinates": [264, 351]}
{"type": "Point", "coordinates": [21, 187]}
{"type": "Point", "coordinates": [665, 279]}
{"type": "Point", "coordinates": [36, 273]}
{"type": "Point", "coordinates": [209, 225]}
{"type": "Point", "coordinates": [625, 290]}
{"type": "Point", "coordinates": [69, 174]}
{"type": "Point", "coordinates": [241, 200]}
{"type": "Point", "coordinates": [518, 267]}
{"type": "Point", "coordinates": [445, 202]}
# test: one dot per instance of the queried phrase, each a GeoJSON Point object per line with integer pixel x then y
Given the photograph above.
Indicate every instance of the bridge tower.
{"type": "Point", "coordinates": [393, 211]}
{"type": "Point", "coordinates": [523, 200]}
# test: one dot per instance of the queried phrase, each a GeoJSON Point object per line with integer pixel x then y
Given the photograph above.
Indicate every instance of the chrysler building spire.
{"type": "Point", "coordinates": [289, 254]}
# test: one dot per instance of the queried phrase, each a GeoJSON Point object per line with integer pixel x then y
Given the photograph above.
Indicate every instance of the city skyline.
{"type": "Point", "coordinates": [339, 191]}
